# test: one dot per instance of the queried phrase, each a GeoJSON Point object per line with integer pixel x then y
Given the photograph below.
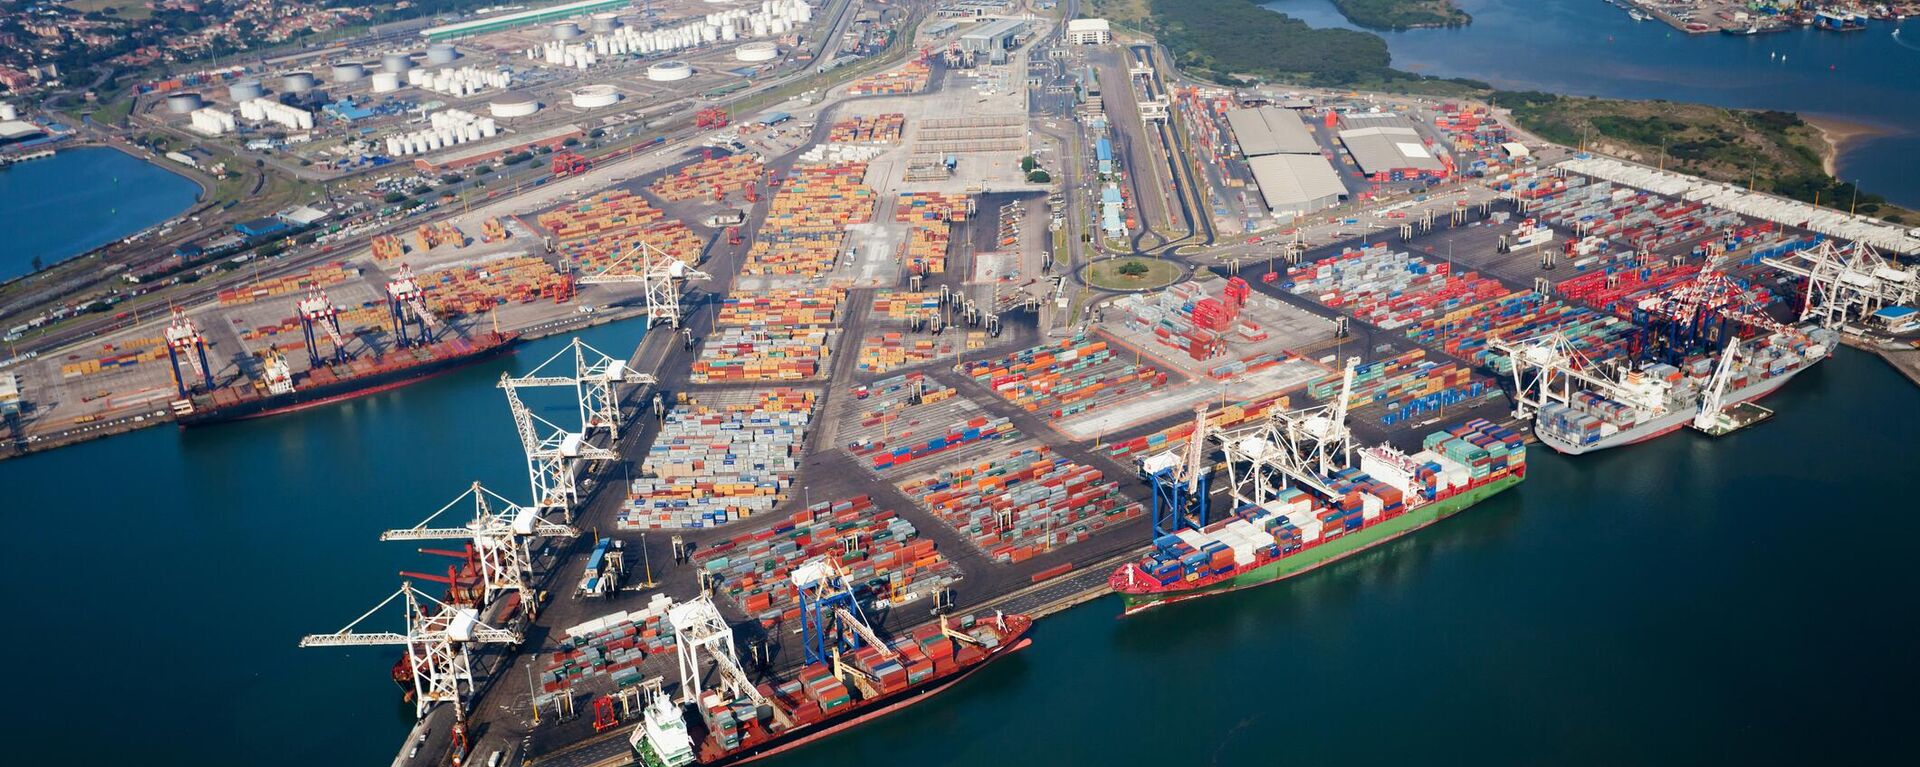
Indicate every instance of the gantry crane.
{"type": "Point", "coordinates": [1302, 446]}
{"type": "Point", "coordinates": [1182, 481]}
{"type": "Point", "coordinates": [436, 640]}
{"type": "Point", "coordinates": [1546, 368]}
{"type": "Point", "coordinates": [596, 381]}
{"type": "Point", "coordinates": [184, 341]}
{"type": "Point", "coordinates": [698, 629]}
{"type": "Point", "coordinates": [659, 274]}
{"type": "Point", "coordinates": [1712, 402]}
{"type": "Point", "coordinates": [830, 615]}
{"type": "Point", "coordinates": [317, 312]}
{"type": "Point", "coordinates": [499, 539]}
{"type": "Point", "coordinates": [1848, 284]}
{"type": "Point", "coordinates": [406, 302]}
{"type": "Point", "coordinates": [554, 461]}
{"type": "Point", "coordinates": [1699, 314]}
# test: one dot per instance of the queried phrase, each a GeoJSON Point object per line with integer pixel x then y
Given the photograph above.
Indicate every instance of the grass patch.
{"type": "Point", "coordinates": [1130, 273]}
{"type": "Point", "coordinates": [131, 10]}
{"type": "Point", "coordinates": [1402, 14]}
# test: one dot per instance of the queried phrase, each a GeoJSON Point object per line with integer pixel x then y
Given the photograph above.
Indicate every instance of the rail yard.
{"type": "Point", "coordinates": [885, 413]}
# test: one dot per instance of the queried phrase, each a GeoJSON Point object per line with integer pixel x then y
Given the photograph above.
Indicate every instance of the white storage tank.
{"type": "Point", "coordinates": [396, 62]}
{"type": "Point", "coordinates": [669, 71]}
{"type": "Point", "coordinates": [595, 96]}
{"type": "Point", "coordinates": [566, 30]}
{"type": "Point", "coordinates": [184, 103]}
{"type": "Point", "coordinates": [349, 72]}
{"type": "Point", "coordinates": [513, 105]}
{"type": "Point", "coordinates": [9, 112]}
{"type": "Point", "coordinates": [297, 82]}
{"type": "Point", "coordinates": [442, 53]}
{"type": "Point", "coordinates": [756, 52]}
{"type": "Point", "coordinates": [245, 90]}
{"type": "Point", "coordinates": [386, 82]}
{"type": "Point", "coordinates": [605, 22]}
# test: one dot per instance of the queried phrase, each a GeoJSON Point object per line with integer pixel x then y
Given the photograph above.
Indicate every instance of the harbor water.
{"type": "Point", "coordinates": [62, 206]}
{"type": "Point", "coordinates": [1590, 48]}
{"type": "Point", "coordinates": [1684, 600]}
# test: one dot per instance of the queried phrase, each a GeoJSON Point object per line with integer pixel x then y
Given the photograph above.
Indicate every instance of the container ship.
{"type": "Point", "coordinates": [1656, 399]}
{"type": "Point", "coordinates": [831, 693]}
{"type": "Point", "coordinates": [1389, 495]}
{"type": "Point", "coordinates": [281, 391]}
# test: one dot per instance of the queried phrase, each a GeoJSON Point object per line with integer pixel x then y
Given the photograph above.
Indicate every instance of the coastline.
{"type": "Point", "coordinates": [1840, 133]}
{"type": "Point", "coordinates": [202, 192]}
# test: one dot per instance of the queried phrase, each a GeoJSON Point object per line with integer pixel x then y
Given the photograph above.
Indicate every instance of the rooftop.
{"type": "Point", "coordinates": [1271, 130]}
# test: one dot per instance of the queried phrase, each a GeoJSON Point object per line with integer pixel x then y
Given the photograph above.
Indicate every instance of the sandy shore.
{"type": "Point", "coordinates": [1839, 133]}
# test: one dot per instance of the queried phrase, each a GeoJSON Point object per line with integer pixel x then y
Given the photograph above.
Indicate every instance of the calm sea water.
{"type": "Point", "coordinates": [1589, 48]}
{"type": "Point", "coordinates": [79, 199]}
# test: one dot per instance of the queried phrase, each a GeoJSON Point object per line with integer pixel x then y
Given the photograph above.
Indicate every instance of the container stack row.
{"type": "Point", "coordinates": [1387, 288]}
{"type": "Point", "coordinates": [893, 350]}
{"type": "Point", "coordinates": [291, 286]}
{"type": "Point", "coordinates": [710, 178]}
{"type": "Point", "coordinates": [931, 215]}
{"type": "Point", "coordinates": [876, 129]}
{"type": "Point", "coordinates": [1023, 503]}
{"type": "Point", "coordinates": [1073, 376]}
{"type": "Point", "coordinates": [514, 279]}
{"type": "Point", "coordinates": [884, 556]}
{"type": "Point", "coordinates": [720, 458]}
{"type": "Point", "coordinates": [1520, 316]}
{"type": "Point", "coordinates": [902, 305]}
{"type": "Point", "coordinates": [1228, 417]}
{"type": "Point", "coordinates": [780, 335]}
{"type": "Point", "coordinates": [612, 645]}
{"type": "Point", "coordinates": [911, 78]}
{"type": "Point", "coordinates": [1186, 319]}
{"type": "Point", "coordinates": [807, 219]}
{"type": "Point", "coordinates": [1406, 385]}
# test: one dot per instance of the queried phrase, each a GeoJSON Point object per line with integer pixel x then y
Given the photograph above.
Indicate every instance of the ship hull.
{"type": "Point", "coordinates": [1327, 553]}
{"type": "Point", "coordinates": [339, 391]}
{"type": "Point", "coordinates": [855, 717]}
{"type": "Point", "coordinates": [1663, 425]}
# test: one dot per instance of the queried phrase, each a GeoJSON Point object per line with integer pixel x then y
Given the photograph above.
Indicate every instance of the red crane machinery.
{"type": "Point", "coordinates": [184, 341]}
{"type": "Point", "coordinates": [406, 302]}
{"type": "Point", "coordinates": [1701, 314]}
{"type": "Point", "coordinates": [317, 312]}
{"type": "Point", "coordinates": [733, 235]}
{"type": "Point", "coordinates": [569, 163]}
{"type": "Point", "coordinates": [711, 117]}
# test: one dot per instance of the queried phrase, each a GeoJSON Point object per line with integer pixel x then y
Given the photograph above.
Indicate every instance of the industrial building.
{"type": "Point", "coordinates": [15, 131]}
{"type": "Point", "coordinates": [1296, 184]}
{"type": "Point", "coordinates": [1384, 145]}
{"type": "Point", "coordinates": [1103, 154]}
{"type": "Point", "coordinates": [1271, 130]}
{"type": "Point", "coordinates": [1111, 221]}
{"type": "Point", "coordinates": [522, 18]}
{"type": "Point", "coordinates": [469, 155]}
{"type": "Point", "coordinates": [996, 35]}
{"type": "Point", "coordinates": [1089, 32]}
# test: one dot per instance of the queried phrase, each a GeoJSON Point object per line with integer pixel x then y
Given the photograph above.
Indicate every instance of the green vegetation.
{"type": "Point", "coordinates": [1131, 274]}
{"type": "Point", "coordinates": [1028, 163]}
{"type": "Point", "coordinates": [1402, 14]}
{"type": "Point", "coordinates": [1770, 151]}
{"type": "Point", "coordinates": [1039, 177]}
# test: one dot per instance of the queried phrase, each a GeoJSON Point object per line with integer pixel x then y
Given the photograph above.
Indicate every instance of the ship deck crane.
{"type": "Point", "coordinates": [316, 310]}
{"type": "Point", "coordinates": [185, 341]}
{"type": "Point", "coordinates": [1712, 403]}
{"type": "Point", "coordinates": [498, 536]}
{"type": "Point", "coordinates": [1848, 284]}
{"type": "Point", "coordinates": [698, 629]}
{"type": "Point", "coordinates": [436, 639]}
{"type": "Point", "coordinates": [659, 274]}
{"type": "Point", "coordinates": [407, 302]}
{"type": "Point", "coordinates": [553, 461]}
{"type": "Point", "coordinates": [596, 380]}
{"type": "Point", "coordinates": [1302, 446]}
{"type": "Point", "coordinates": [1182, 482]}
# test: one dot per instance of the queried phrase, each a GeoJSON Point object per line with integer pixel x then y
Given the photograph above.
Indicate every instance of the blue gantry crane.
{"type": "Point", "coordinates": [1182, 481]}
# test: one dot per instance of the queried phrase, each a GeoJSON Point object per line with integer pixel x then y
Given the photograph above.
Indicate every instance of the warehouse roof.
{"type": "Point", "coordinates": [1381, 148]}
{"type": "Point", "coordinates": [1293, 181]}
{"type": "Point", "coordinates": [1271, 130]}
{"type": "Point", "coordinates": [17, 129]}
{"type": "Point", "coordinates": [996, 29]}
{"type": "Point", "coordinates": [508, 20]}
{"type": "Point", "coordinates": [1089, 25]}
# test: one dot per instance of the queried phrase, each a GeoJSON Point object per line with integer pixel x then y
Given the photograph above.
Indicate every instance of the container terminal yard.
{"type": "Point", "coordinates": [896, 388]}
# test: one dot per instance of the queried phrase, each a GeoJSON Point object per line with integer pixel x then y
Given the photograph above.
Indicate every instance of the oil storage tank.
{"type": "Point", "coordinates": [297, 82]}
{"type": "Point", "coordinates": [349, 72]}
{"type": "Point", "coordinates": [185, 102]}
{"type": "Point", "coordinates": [246, 90]}
{"type": "Point", "coordinates": [669, 71]}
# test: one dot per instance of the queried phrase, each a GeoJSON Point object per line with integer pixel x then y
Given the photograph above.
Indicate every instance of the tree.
{"type": "Point", "coordinates": [1132, 269]}
{"type": "Point", "coordinates": [1039, 177]}
{"type": "Point", "coordinates": [393, 197]}
{"type": "Point", "coordinates": [1028, 163]}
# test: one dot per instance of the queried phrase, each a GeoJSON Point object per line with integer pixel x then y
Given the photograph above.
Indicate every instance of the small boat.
{"type": "Point", "coordinates": [1638, 15]}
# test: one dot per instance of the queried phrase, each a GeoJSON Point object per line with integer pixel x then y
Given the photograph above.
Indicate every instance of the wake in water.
{"type": "Point", "coordinates": [1897, 40]}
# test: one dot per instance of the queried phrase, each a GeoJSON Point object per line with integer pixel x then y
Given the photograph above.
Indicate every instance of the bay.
{"type": "Point", "coordinates": [79, 199]}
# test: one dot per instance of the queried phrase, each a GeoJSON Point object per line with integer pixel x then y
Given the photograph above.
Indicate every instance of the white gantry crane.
{"type": "Point", "coordinates": [553, 461]}
{"type": "Point", "coordinates": [699, 629]}
{"type": "Point", "coordinates": [1713, 402]}
{"type": "Point", "coordinates": [1548, 368]}
{"type": "Point", "coordinates": [1302, 446]}
{"type": "Point", "coordinates": [596, 381]}
{"type": "Point", "coordinates": [317, 312]}
{"type": "Point", "coordinates": [499, 535]}
{"type": "Point", "coordinates": [184, 340]}
{"type": "Point", "coordinates": [436, 639]}
{"type": "Point", "coordinates": [1846, 284]}
{"type": "Point", "coordinates": [659, 274]}
{"type": "Point", "coordinates": [406, 302]}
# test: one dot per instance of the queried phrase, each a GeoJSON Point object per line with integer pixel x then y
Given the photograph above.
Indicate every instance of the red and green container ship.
{"type": "Point", "coordinates": [1391, 494]}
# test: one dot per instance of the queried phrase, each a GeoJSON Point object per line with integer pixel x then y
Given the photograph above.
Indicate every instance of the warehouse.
{"type": "Point", "coordinates": [469, 155]}
{"type": "Point", "coordinates": [1297, 184]}
{"type": "Point", "coordinates": [522, 18]}
{"type": "Point", "coordinates": [1384, 145]}
{"type": "Point", "coordinates": [1270, 130]}
{"type": "Point", "coordinates": [1089, 32]}
{"type": "Point", "coordinates": [997, 35]}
